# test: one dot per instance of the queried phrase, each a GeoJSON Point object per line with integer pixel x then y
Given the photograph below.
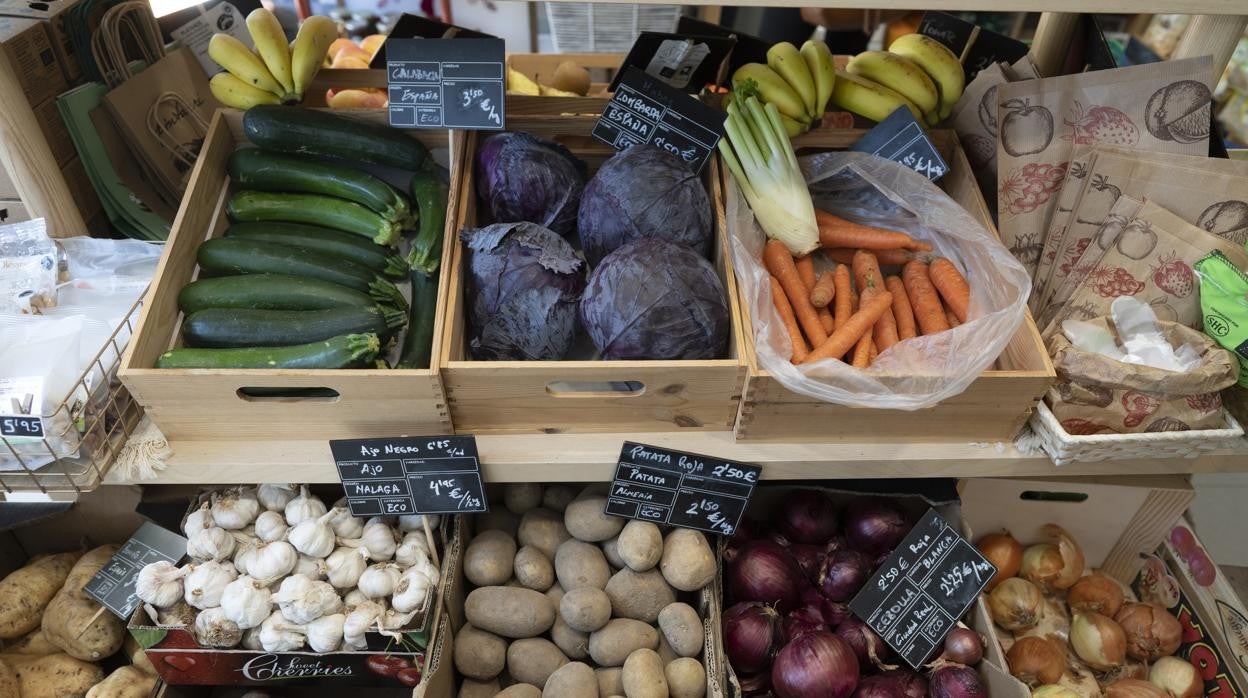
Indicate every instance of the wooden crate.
{"type": "Point", "coordinates": [534, 396]}
{"type": "Point", "coordinates": [210, 403]}
{"type": "Point", "coordinates": [993, 408]}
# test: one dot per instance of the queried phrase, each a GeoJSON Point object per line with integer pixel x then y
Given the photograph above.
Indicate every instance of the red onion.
{"type": "Point", "coordinates": [955, 681]}
{"type": "Point", "coordinates": [751, 634]}
{"type": "Point", "coordinates": [898, 683]}
{"type": "Point", "coordinates": [874, 525]}
{"type": "Point", "coordinates": [815, 665]}
{"type": "Point", "coordinates": [746, 531]}
{"type": "Point", "coordinates": [804, 620]}
{"type": "Point", "coordinates": [763, 571]}
{"type": "Point", "coordinates": [868, 647]}
{"type": "Point", "coordinates": [964, 646]}
{"type": "Point", "coordinates": [807, 516]}
{"type": "Point", "coordinates": [842, 574]}
{"type": "Point", "coordinates": [756, 685]}
{"type": "Point", "coordinates": [833, 613]}
{"type": "Point", "coordinates": [809, 558]}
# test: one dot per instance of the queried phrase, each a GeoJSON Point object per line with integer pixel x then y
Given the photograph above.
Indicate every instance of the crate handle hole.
{"type": "Point", "coordinates": [595, 389]}
{"type": "Point", "coordinates": [266, 394]}
{"type": "Point", "coordinates": [1041, 496]}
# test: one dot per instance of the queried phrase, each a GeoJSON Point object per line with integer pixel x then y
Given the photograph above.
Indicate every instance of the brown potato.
{"type": "Point", "coordinates": [26, 592]}
{"type": "Point", "coordinates": [610, 680]}
{"type": "Point", "coordinates": [533, 660]}
{"type": "Point", "coordinates": [8, 681]}
{"type": "Point", "coordinates": [34, 642]}
{"type": "Point", "coordinates": [471, 688]}
{"type": "Point", "coordinates": [643, 675]}
{"type": "Point", "coordinates": [542, 529]}
{"type": "Point", "coordinates": [72, 620]}
{"type": "Point", "coordinates": [478, 654]}
{"type": "Point", "coordinates": [572, 680]}
{"type": "Point", "coordinates": [611, 550]}
{"type": "Point", "coordinates": [580, 564]}
{"type": "Point", "coordinates": [585, 609]}
{"type": "Point", "coordinates": [511, 612]}
{"type": "Point", "coordinates": [489, 557]}
{"type": "Point", "coordinates": [682, 628]}
{"type": "Point", "coordinates": [573, 643]}
{"type": "Point", "coordinates": [639, 595]}
{"type": "Point", "coordinates": [54, 676]}
{"type": "Point", "coordinates": [688, 563]}
{"type": "Point", "coordinates": [641, 545]}
{"type": "Point", "coordinates": [686, 678]}
{"type": "Point", "coordinates": [533, 569]}
{"type": "Point", "coordinates": [557, 497]}
{"type": "Point", "coordinates": [125, 682]}
{"type": "Point", "coordinates": [520, 690]}
{"type": "Point", "coordinates": [555, 594]}
{"type": "Point", "coordinates": [611, 644]}
{"type": "Point", "coordinates": [520, 497]}
{"type": "Point", "coordinates": [587, 521]}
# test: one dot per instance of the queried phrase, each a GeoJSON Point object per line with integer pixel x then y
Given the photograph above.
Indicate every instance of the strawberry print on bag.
{"type": "Point", "coordinates": [1113, 282]}
{"type": "Point", "coordinates": [1209, 402]}
{"type": "Point", "coordinates": [1174, 276]}
{"type": "Point", "coordinates": [1098, 124]}
{"type": "Point", "coordinates": [1138, 406]}
{"type": "Point", "coordinates": [1030, 186]}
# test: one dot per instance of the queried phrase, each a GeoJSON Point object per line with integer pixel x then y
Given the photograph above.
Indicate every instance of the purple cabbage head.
{"type": "Point", "coordinates": [521, 177]}
{"type": "Point", "coordinates": [653, 299]}
{"type": "Point", "coordinates": [523, 290]}
{"type": "Point", "coordinates": [643, 192]}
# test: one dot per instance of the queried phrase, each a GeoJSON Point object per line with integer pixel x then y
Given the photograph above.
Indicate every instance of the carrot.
{"type": "Point", "coordinates": [928, 312]}
{"type": "Point", "coordinates": [873, 354]}
{"type": "Point", "coordinates": [892, 258]}
{"type": "Point", "coordinates": [844, 294]}
{"type": "Point", "coordinates": [785, 310]}
{"type": "Point", "coordinates": [866, 270]}
{"type": "Point", "coordinates": [951, 285]}
{"type": "Point", "coordinates": [862, 352]}
{"type": "Point", "coordinates": [952, 318]}
{"type": "Point", "coordinates": [903, 314]}
{"type": "Point", "coordinates": [835, 231]}
{"type": "Point", "coordinates": [824, 290]}
{"type": "Point", "coordinates": [885, 334]}
{"type": "Point", "coordinates": [780, 263]}
{"type": "Point", "coordinates": [806, 269]}
{"type": "Point", "coordinates": [859, 324]}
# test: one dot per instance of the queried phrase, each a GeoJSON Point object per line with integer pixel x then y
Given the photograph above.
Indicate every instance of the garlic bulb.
{"type": "Point", "coordinates": [160, 584]}
{"type": "Point", "coordinates": [303, 507]}
{"type": "Point", "coordinates": [251, 639]}
{"type": "Point", "coordinates": [271, 526]}
{"type": "Point", "coordinates": [353, 599]}
{"type": "Point", "coordinates": [246, 601]}
{"type": "Point", "coordinates": [303, 600]}
{"type": "Point", "coordinates": [345, 525]}
{"type": "Point", "coordinates": [275, 497]}
{"type": "Point", "coordinates": [206, 582]}
{"type": "Point", "coordinates": [378, 537]}
{"type": "Point", "coordinates": [411, 591]}
{"type": "Point", "coordinates": [345, 565]}
{"type": "Point", "coordinates": [272, 561]}
{"type": "Point", "coordinates": [394, 620]}
{"type": "Point", "coordinates": [415, 522]}
{"type": "Point", "coordinates": [365, 616]}
{"type": "Point", "coordinates": [325, 633]}
{"type": "Point", "coordinates": [179, 614]}
{"type": "Point", "coordinates": [197, 520]}
{"type": "Point", "coordinates": [413, 549]}
{"type": "Point", "coordinates": [210, 543]}
{"type": "Point", "coordinates": [379, 580]}
{"type": "Point", "coordinates": [213, 629]}
{"type": "Point", "coordinates": [279, 635]}
{"type": "Point", "coordinates": [244, 553]}
{"type": "Point", "coordinates": [430, 570]}
{"type": "Point", "coordinates": [314, 537]}
{"type": "Point", "coordinates": [311, 567]}
{"type": "Point", "coordinates": [234, 508]}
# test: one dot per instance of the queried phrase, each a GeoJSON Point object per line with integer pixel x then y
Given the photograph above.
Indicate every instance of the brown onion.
{"type": "Point", "coordinates": [1096, 593]}
{"type": "Point", "coordinates": [1072, 556]}
{"type": "Point", "coordinates": [1015, 604]}
{"type": "Point", "coordinates": [1041, 563]}
{"type": "Point", "coordinates": [964, 646]}
{"type": "Point", "coordinates": [1036, 661]}
{"type": "Point", "coordinates": [1098, 641]}
{"type": "Point", "coordinates": [1004, 552]}
{"type": "Point", "coordinates": [1053, 691]}
{"type": "Point", "coordinates": [1177, 676]}
{"type": "Point", "coordinates": [1133, 688]}
{"type": "Point", "coordinates": [1152, 631]}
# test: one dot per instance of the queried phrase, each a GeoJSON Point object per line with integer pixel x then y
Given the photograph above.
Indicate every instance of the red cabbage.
{"type": "Point", "coordinates": [521, 177]}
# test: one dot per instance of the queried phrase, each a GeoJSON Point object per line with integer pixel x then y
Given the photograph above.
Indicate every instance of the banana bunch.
{"type": "Point", "coordinates": [276, 72]}
{"type": "Point", "coordinates": [917, 72]}
{"type": "Point", "coordinates": [799, 83]}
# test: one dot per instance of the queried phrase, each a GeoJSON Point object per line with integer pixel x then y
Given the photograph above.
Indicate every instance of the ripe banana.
{"type": "Point", "coordinates": [867, 98]}
{"type": "Point", "coordinates": [818, 59]}
{"type": "Point", "coordinates": [266, 33]}
{"type": "Point", "coordinates": [899, 74]}
{"type": "Point", "coordinates": [938, 62]}
{"type": "Point", "coordinates": [789, 64]}
{"type": "Point", "coordinates": [771, 89]}
{"type": "Point", "coordinates": [233, 92]}
{"type": "Point", "coordinates": [308, 52]}
{"type": "Point", "coordinates": [793, 128]}
{"type": "Point", "coordinates": [234, 56]}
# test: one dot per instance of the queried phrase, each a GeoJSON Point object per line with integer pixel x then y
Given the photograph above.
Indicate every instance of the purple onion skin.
{"type": "Point", "coordinates": [756, 685]}
{"type": "Point", "coordinates": [808, 516]}
{"type": "Point", "coordinates": [751, 636]}
{"type": "Point", "coordinates": [863, 641]}
{"type": "Point", "coordinates": [815, 665]}
{"type": "Point", "coordinates": [955, 681]}
{"type": "Point", "coordinates": [874, 525]}
{"type": "Point", "coordinates": [892, 684]}
{"type": "Point", "coordinates": [809, 558]}
{"type": "Point", "coordinates": [765, 572]}
{"type": "Point", "coordinates": [833, 613]}
{"type": "Point", "coordinates": [804, 620]}
{"type": "Point", "coordinates": [843, 573]}
{"type": "Point", "coordinates": [964, 646]}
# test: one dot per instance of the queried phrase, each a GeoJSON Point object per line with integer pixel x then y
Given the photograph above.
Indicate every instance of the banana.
{"type": "Point", "coordinates": [818, 59]}
{"type": "Point", "coordinates": [308, 52]}
{"type": "Point", "coordinates": [938, 62]}
{"type": "Point", "coordinates": [234, 56]}
{"type": "Point", "coordinates": [867, 98]}
{"type": "Point", "coordinates": [789, 64]}
{"type": "Point", "coordinates": [266, 33]}
{"type": "Point", "coordinates": [899, 74]}
{"type": "Point", "coordinates": [793, 128]}
{"type": "Point", "coordinates": [771, 89]}
{"type": "Point", "coordinates": [233, 92]}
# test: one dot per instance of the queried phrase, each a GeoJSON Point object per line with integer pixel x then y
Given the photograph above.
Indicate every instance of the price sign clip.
{"type": "Point", "coordinates": [410, 475]}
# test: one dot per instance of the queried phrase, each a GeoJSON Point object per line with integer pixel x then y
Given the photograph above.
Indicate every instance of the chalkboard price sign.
{"type": "Point", "coordinates": [901, 138]}
{"type": "Point", "coordinates": [917, 596]}
{"type": "Point", "coordinates": [446, 83]}
{"type": "Point", "coordinates": [410, 475]}
{"type": "Point", "coordinates": [645, 109]}
{"type": "Point", "coordinates": [113, 585]}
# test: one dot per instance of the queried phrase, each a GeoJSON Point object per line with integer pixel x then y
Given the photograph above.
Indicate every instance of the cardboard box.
{"type": "Point", "coordinates": [13, 212]}
{"type": "Point", "coordinates": [164, 690]}
{"type": "Point", "coordinates": [26, 44]}
{"type": "Point", "coordinates": [53, 14]}
{"type": "Point", "coordinates": [54, 131]}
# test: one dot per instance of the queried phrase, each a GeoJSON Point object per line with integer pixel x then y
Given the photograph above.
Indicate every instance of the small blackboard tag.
{"type": "Point", "coordinates": [21, 400]}
{"type": "Point", "coordinates": [113, 585]}
{"type": "Point", "coordinates": [951, 31]}
{"type": "Point", "coordinates": [644, 109]}
{"type": "Point", "coordinates": [686, 62]}
{"type": "Point", "coordinates": [748, 48]}
{"type": "Point", "coordinates": [991, 47]}
{"type": "Point", "coordinates": [901, 138]}
{"type": "Point", "coordinates": [681, 489]}
{"type": "Point", "coordinates": [410, 475]}
{"type": "Point", "coordinates": [917, 596]}
{"type": "Point", "coordinates": [446, 83]}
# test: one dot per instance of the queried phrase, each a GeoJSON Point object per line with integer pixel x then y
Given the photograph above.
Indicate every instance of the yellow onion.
{"type": "Point", "coordinates": [1041, 563]}
{"type": "Point", "coordinates": [1036, 661]}
{"type": "Point", "coordinates": [1053, 691]}
{"type": "Point", "coordinates": [1152, 631]}
{"type": "Point", "coordinates": [1096, 593]}
{"type": "Point", "coordinates": [1004, 552]}
{"type": "Point", "coordinates": [1133, 688]}
{"type": "Point", "coordinates": [1177, 676]}
{"type": "Point", "coordinates": [1015, 604]}
{"type": "Point", "coordinates": [1098, 641]}
{"type": "Point", "coordinates": [1056, 565]}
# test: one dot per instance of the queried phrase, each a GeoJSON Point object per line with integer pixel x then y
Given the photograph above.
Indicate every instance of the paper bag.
{"type": "Point", "coordinates": [975, 121]}
{"type": "Point", "coordinates": [1081, 158]}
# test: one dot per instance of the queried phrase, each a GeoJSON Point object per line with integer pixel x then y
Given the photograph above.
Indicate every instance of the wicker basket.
{"type": "Point", "coordinates": [1064, 448]}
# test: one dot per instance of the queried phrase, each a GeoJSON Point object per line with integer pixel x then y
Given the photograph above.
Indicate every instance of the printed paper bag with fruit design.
{"type": "Point", "coordinates": [1095, 394]}
{"type": "Point", "coordinates": [1068, 197]}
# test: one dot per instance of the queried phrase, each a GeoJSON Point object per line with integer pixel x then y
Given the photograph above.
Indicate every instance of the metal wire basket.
{"type": "Point", "coordinates": [102, 412]}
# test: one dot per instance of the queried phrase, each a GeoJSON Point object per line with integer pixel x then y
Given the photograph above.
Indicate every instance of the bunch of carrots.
{"type": "Point", "coordinates": [854, 311]}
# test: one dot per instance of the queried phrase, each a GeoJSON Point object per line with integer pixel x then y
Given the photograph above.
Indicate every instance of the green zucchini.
{"type": "Point", "coordinates": [254, 168]}
{"type": "Point", "coordinates": [308, 132]}
{"type": "Point", "coordinates": [235, 256]}
{"type": "Point", "coordinates": [269, 292]}
{"type": "Point", "coordinates": [234, 327]}
{"type": "Point", "coordinates": [352, 248]}
{"type": "Point", "coordinates": [418, 345]}
{"type": "Point", "coordinates": [430, 197]}
{"type": "Point", "coordinates": [313, 209]}
{"type": "Point", "coordinates": [344, 351]}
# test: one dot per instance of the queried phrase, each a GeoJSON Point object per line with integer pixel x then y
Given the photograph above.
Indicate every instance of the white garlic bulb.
{"type": "Point", "coordinates": [379, 580]}
{"type": "Point", "coordinates": [246, 601]}
{"type": "Point", "coordinates": [160, 584]}
{"type": "Point", "coordinates": [271, 526]}
{"type": "Point", "coordinates": [213, 629]}
{"type": "Point", "coordinates": [272, 561]}
{"type": "Point", "coordinates": [413, 549]}
{"type": "Point", "coordinates": [313, 537]}
{"type": "Point", "coordinates": [251, 639]}
{"type": "Point", "coordinates": [303, 600]}
{"type": "Point", "coordinates": [234, 508]}
{"type": "Point", "coordinates": [212, 543]}
{"type": "Point", "coordinates": [411, 591]}
{"type": "Point", "coordinates": [353, 599]}
{"type": "Point", "coordinates": [275, 497]}
{"type": "Point", "coordinates": [206, 582]}
{"type": "Point", "coordinates": [279, 635]}
{"type": "Point", "coordinates": [394, 620]}
{"type": "Point", "coordinates": [197, 520]}
{"type": "Point", "coordinates": [311, 567]}
{"type": "Point", "coordinates": [325, 633]}
{"type": "Point", "coordinates": [430, 570]}
{"type": "Point", "coordinates": [345, 565]}
{"type": "Point", "coordinates": [378, 537]}
{"type": "Point", "coordinates": [415, 522]}
{"type": "Point", "coordinates": [345, 525]}
{"type": "Point", "coordinates": [178, 615]}
{"type": "Point", "coordinates": [365, 616]}
{"type": "Point", "coordinates": [303, 507]}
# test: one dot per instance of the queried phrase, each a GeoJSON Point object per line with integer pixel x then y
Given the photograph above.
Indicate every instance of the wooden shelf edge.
{"type": "Point", "coordinates": [1212, 7]}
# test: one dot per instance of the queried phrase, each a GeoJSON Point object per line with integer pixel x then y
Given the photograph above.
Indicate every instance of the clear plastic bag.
{"type": "Point", "coordinates": [916, 373]}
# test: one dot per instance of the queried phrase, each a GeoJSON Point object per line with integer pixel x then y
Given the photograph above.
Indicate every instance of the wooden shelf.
{"type": "Point", "coordinates": [1209, 7]}
{"type": "Point", "coordinates": [592, 457]}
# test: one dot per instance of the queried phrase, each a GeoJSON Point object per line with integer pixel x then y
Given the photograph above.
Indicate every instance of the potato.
{"type": "Point", "coordinates": [611, 550]}
{"type": "Point", "coordinates": [573, 680]}
{"type": "Point", "coordinates": [520, 690]}
{"type": "Point", "coordinates": [542, 529]}
{"type": "Point", "coordinates": [533, 569]}
{"type": "Point", "coordinates": [611, 644]}
{"type": "Point", "coordinates": [585, 609]}
{"type": "Point", "coordinates": [478, 689]}
{"type": "Point", "coordinates": [26, 592]}
{"type": "Point", "coordinates": [587, 521]}
{"type": "Point", "coordinates": [555, 594]}
{"type": "Point", "coordinates": [126, 682]}
{"type": "Point", "coordinates": [137, 655]}
{"type": "Point", "coordinates": [666, 653]}
{"type": "Point", "coordinates": [520, 497]}
{"type": "Point", "coordinates": [579, 565]}
{"type": "Point", "coordinates": [643, 675]}
{"type": "Point", "coordinates": [8, 681]}
{"type": "Point", "coordinates": [72, 620]}
{"type": "Point", "coordinates": [573, 643]}
{"type": "Point", "coordinates": [639, 595]}
{"type": "Point", "coordinates": [488, 559]}
{"type": "Point", "coordinates": [497, 519]}
{"type": "Point", "coordinates": [688, 562]}
{"type": "Point", "coordinates": [641, 545]}
{"type": "Point", "coordinates": [682, 628]}
{"type": "Point", "coordinates": [54, 676]}
{"type": "Point", "coordinates": [509, 611]}
{"type": "Point", "coordinates": [610, 680]}
{"type": "Point", "coordinates": [34, 642]}
{"type": "Point", "coordinates": [685, 678]}
{"type": "Point", "coordinates": [557, 497]}
{"type": "Point", "coordinates": [533, 660]}
{"type": "Point", "coordinates": [478, 654]}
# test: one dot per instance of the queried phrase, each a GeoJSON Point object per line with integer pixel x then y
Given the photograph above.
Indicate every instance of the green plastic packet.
{"type": "Point", "coordinates": [1224, 306]}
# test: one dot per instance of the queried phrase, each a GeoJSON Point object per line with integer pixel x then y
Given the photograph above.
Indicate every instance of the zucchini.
{"type": "Point", "coordinates": [313, 209]}
{"type": "Point", "coordinates": [430, 197]}
{"type": "Point", "coordinates": [235, 256]}
{"type": "Point", "coordinates": [418, 345]}
{"type": "Point", "coordinates": [254, 168]}
{"type": "Point", "coordinates": [234, 327]}
{"type": "Point", "coordinates": [269, 292]}
{"type": "Point", "coordinates": [308, 132]}
{"type": "Point", "coordinates": [344, 351]}
{"type": "Point", "coordinates": [352, 248]}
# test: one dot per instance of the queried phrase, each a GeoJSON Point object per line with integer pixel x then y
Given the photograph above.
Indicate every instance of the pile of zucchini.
{"type": "Point", "coordinates": [305, 276]}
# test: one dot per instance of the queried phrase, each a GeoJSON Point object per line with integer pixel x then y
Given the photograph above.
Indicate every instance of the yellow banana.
{"type": "Point", "coordinates": [789, 64]}
{"type": "Point", "coordinates": [938, 62]}
{"type": "Point", "coordinates": [234, 56]}
{"type": "Point", "coordinates": [770, 88]}
{"type": "Point", "coordinates": [233, 92]}
{"type": "Point", "coordinates": [818, 59]}
{"type": "Point", "coordinates": [899, 74]}
{"type": "Point", "coordinates": [308, 52]}
{"type": "Point", "coordinates": [793, 128]}
{"type": "Point", "coordinates": [867, 98]}
{"type": "Point", "coordinates": [266, 33]}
